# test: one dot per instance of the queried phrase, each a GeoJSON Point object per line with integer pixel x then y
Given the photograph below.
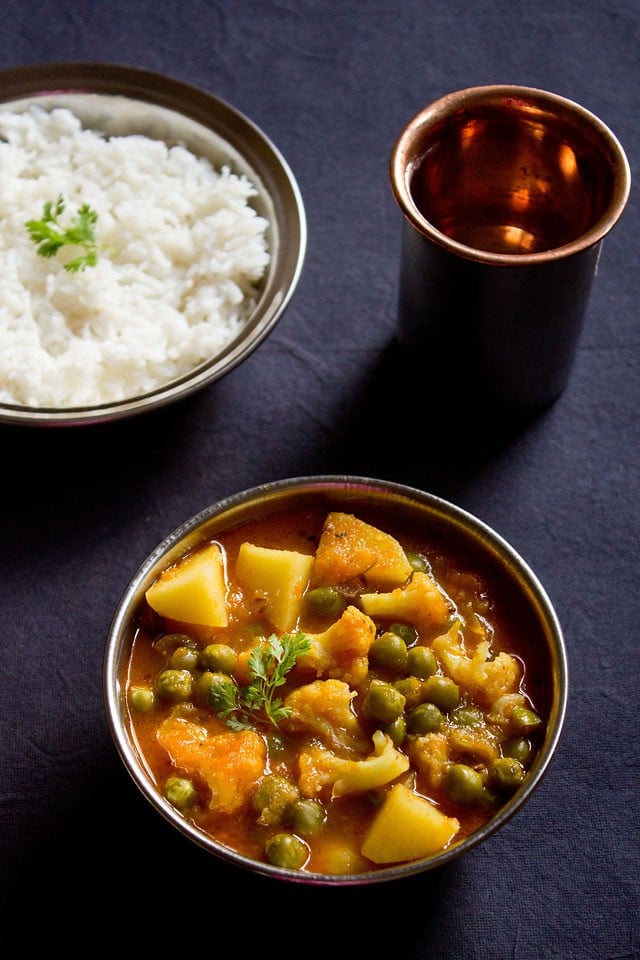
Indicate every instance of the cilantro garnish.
{"type": "Point", "coordinates": [50, 235]}
{"type": "Point", "coordinates": [245, 706]}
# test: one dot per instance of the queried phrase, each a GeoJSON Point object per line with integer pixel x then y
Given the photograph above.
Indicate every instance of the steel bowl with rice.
{"type": "Point", "coordinates": [148, 322]}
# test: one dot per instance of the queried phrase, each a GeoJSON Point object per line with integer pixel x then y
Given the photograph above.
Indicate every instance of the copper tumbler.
{"type": "Point", "coordinates": [507, 193]}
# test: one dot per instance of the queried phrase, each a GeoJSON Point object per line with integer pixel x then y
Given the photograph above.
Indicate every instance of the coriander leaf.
{"type": "Point", "coordinates": [49, 235]}
{"type": "Point", "coordinates": [245, 706]}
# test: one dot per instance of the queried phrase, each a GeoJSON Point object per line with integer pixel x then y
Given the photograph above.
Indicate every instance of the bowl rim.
{"type": "Point", "coordinates": [408, 150]}
{"type": "Point", "coordinates": [266, 166]}
{"type": "Point", "coordinates": [231, 510]}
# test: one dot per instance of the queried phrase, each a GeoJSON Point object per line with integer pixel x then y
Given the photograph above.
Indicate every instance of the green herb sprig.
{"type": "Point", "coordinates": [244, 707]}
{"type": "Point", "coordinates": [50, 235]}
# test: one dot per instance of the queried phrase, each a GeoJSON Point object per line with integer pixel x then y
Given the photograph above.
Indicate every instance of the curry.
{"type": "Point", "coordinates": [333, 693]}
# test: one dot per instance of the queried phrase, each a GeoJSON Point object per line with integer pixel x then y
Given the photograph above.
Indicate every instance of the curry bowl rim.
{"type": "Point", "coordinates": [234, 509]}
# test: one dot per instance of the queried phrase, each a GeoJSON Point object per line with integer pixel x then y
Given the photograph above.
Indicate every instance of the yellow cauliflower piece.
{"type": "Point", "coordinates": [320, 768]}
{"type": "Point", "coordinates": [476, 742]}
{"type": "Point", "coordinates": [502, 708]}
{"type": "Point", "coordinates": [350, 548]}
{"type": "Point", "coordinates": [341, 652]}
{"type": "Point", "coordinates": [323, 709]}
{"type": "Point", "coordinates": [228, 763]}
{"type": "Point", "coordinates": [419, 602]}
{"type": "Point", "coordinates": [481, 678]}
{"type": "Point", "coordinates": [430, 755]}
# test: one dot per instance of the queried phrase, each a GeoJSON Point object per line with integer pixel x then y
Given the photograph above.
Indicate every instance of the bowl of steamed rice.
{"type": "Point", "coordinates": [151, 237]}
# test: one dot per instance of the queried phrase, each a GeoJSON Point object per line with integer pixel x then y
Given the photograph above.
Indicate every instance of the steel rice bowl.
{"type": "Point", "coordinates": [421, 510]}
{"type": "Point", "coordinates": [116, 100]}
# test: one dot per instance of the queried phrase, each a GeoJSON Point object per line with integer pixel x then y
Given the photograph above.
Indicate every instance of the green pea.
{"type": "Point", "coordinates": [390, 651]}
{"type": "Point", "coordinates": [383, 701]}
{"type": "Point", "coordinates": [505, 773]}
{"type": "Point", "coordinates": [412, 689]}
{"type": "Point", "coordinates": [442, 691]}
{"type": "Point", "coordinates": [184, 658]}
{"type": "Point", "coordinates": [305, 817]}
{"type": "Point", "coordinates": [421, 662]}
{"type": "Point", "coordinates": [168, 642]}
{"type": "Point", "coordinates": [327, 601]}
{"type": "Point", "coordinates": [142, 699]}
{"type": "Point", "coordinates": [286, 850]}
{"type": "Point", "coordinates": [219, 657]}
{"type": "Point", "coordinates": [524, 720]}
{"type": "Point", "coordinates": [463, 784]}
{"type": "Point", "coordinates": [397, 730]}
{"type": "Point", "coordinates": [489, 798]}
{"type": "Point", "coordinates": [272, 797]}
{"type": "Point", "coordinates": [205, 683]}
{"type": "Point", "coordinates": [425, 718]}
{"type": "Point", "coordinates": [174, 685]}
{"type": "Point", "coordinates": [418, 561]}
{"type": "Point", "coordinates": [468, 716]}
{"type": "Point", "coordinates": [519, 748]}
{"type": "Point", "coordinates": [405, 630]}
{"type": "Point", "coordinates": [180, 792]}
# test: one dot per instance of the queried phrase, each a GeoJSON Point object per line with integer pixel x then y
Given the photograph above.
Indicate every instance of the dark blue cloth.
{"type": "Point", "coordinates": [84, 861]}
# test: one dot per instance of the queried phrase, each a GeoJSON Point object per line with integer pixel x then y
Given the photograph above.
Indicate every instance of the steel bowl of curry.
{"type": "Point", "coordinates": [335, 680]}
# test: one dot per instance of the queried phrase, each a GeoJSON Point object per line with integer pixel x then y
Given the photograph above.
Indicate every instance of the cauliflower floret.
{"type": "Point", "coordinates": [228, 763]}
{"type": "Point", "coordinates": [323, 709]}
{"type": "Point", "coordinates": [341, 651]}
{"type": "Point", "coordinates": [502, 708]}
{"type": "Point", "coordinates": [481, 678]}
{"type": "Point", "coordinates": [419, 602]}
{"type": "Point", "coordinates": [320, 768]}
{"type": "Point", "coordinates": [430, 755]}
{"type": "Point", "coordinates": [476, 742]}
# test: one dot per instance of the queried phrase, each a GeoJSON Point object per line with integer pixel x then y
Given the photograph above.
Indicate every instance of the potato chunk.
{"type": "Point", "coordinates": [277, 579]}
{"type": "Point", "coordinates": [407, 827]}
{"type": "Point", "coordinates": [350, 548]}
{"type": "Point", "coordinates": [194, 590]}
{"type": "Point", "coordinates": [419, 602]}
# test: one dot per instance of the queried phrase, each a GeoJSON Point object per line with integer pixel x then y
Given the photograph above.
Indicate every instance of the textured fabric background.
{"type": "Point", "coordinates": [84, 862]}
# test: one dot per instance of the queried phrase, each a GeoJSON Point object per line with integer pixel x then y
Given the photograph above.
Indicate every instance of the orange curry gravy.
{"type": "Point", "coordinates": [474, 593]}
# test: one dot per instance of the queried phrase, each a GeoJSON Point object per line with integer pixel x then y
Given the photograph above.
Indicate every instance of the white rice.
{"type": "Point", "coordinates": [176, 282]}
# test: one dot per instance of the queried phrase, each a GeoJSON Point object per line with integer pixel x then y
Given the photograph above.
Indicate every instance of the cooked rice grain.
{"type": "Point", "coordinates": [184, 251]}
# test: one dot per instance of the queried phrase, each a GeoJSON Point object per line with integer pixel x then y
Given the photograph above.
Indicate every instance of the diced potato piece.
{"type": "Point", "coordinates": [407, 827]}
{"type": "Point", "coordinates": [419, 602]}
{"type": "Point", "coordinates": [339, 855]}
{"type": "Point", "coordinates": [278, 578]}
{"type": "Point", "coordinates": [194, 590]}
{"type": "Point", "coordinates": [350, 548]}
{"type": "Point", "coordinates": [229, 763]}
